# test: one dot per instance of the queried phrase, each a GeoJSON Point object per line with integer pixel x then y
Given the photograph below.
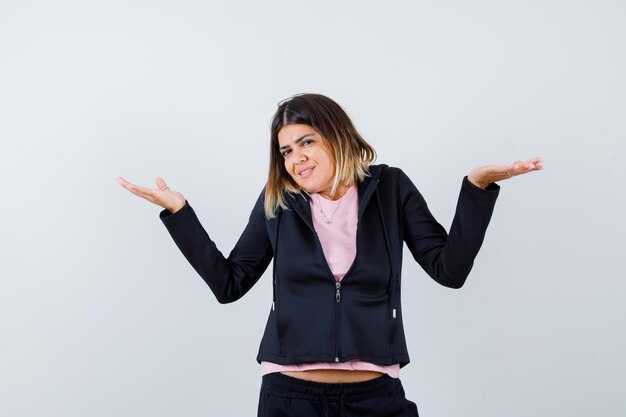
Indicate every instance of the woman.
{"type": "Point", "coordinates": [335, 225]}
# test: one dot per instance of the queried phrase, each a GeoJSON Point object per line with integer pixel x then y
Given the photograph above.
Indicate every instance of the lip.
{"type": "Point", "coordinates": [306, 174]}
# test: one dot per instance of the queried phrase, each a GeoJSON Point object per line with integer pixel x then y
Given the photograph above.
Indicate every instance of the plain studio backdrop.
{"type": "Point", "coordinates": [101, 315]}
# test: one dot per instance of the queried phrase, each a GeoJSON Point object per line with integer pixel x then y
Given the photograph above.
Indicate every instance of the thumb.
{"type": "Point", "coordinates": [160, 183]}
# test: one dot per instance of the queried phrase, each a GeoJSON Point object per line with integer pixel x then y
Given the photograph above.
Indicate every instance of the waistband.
{"type": "Point", "coordinates": [299, 388]}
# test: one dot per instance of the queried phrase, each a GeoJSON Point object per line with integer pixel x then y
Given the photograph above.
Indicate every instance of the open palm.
{"type": "Point", "coordinates": [162, 195]}
{"type": "Point", "coordinates": [485, 175]}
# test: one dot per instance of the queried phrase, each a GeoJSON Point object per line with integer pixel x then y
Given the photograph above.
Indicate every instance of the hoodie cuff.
{"type": "Point", "coordinates": [168, 218]}
{"type": "Point", "coordinates": [490, 189]}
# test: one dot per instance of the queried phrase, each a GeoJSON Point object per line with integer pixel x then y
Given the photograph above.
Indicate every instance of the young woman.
{"type": "Point", "coordinates": [335, 225]}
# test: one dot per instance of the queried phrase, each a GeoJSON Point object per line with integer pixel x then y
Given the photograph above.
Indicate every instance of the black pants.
{"type": "Point", "coordinates": [285, 396]}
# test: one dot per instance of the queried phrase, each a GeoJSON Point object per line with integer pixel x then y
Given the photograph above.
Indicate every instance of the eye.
{"type": "Point", "coordinates": [286, 152]}
{"type": "Point", "coordinates": [307, 142]}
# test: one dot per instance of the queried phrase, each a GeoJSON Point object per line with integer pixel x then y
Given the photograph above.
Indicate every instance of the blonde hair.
{"type": "Point", "coordinates": [352, 155]}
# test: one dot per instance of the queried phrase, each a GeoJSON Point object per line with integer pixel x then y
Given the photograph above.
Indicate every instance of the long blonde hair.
{"type": "Point", "coordinates": [352, 155]}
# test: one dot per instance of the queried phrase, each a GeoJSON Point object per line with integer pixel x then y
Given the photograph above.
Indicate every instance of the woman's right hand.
{"type": "Point", "coordinates": [166, 198]}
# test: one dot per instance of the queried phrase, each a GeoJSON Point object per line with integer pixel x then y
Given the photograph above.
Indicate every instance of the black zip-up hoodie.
{"type": "Point", "coordinates": [313, 318]}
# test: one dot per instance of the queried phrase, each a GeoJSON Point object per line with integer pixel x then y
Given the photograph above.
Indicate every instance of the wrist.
{"type": "Point", "coordinates": [175, 209]}
{"type": "Point", "coordinates": [477, 183]}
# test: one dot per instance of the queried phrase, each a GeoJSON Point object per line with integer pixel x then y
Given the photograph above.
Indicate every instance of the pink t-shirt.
{"type": "Point", "coordinates": [335, 223]}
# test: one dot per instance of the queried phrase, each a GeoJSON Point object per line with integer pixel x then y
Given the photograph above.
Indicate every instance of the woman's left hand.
{"type": "Point", "coordinates": [485, 175]}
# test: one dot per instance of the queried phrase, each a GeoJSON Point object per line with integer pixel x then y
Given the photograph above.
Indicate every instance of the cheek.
{"type": "Point", "coordinates": [326, 159]}
{"type": "Point", "coordinates": [325, 156]}
{"type": "Point", "coordinates": [288, 169]}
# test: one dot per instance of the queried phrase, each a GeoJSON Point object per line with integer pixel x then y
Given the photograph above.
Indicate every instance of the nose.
{"type": "Point", "coordinates": [299, 155]}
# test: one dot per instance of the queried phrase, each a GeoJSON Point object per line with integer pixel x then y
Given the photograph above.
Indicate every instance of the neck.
{"type": "Point", "coordinates": [341, 190]}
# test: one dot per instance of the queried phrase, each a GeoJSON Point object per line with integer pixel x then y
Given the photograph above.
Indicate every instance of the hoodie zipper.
{"type": "Point", "coordinates": [337, 318]}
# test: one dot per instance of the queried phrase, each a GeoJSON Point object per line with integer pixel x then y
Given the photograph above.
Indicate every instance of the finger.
{"type": "Point", "coordinates": [130, 187]}
{"type": "Point", "coordinates": [534, 167]}
{"type": "Point", "coordinates": [531, 163]}
{"type": "Point", "coordinates": [520, 166]}
{"type": "Point", "coordinates": [513, 168]}
{"type": "Point", "coordinates": [525, 167]}
{"type": "Point", "coordinates": [144, 192]}
{"type": "Point", "coordinates": [535, 160]}
{"type": "Point", "coordinates": [122, 181]}
{"type": "Point", "coordinates": [160, 183]}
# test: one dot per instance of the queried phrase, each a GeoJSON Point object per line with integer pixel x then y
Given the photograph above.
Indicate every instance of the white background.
{"type": "Point", "coordinates": [100, 314]}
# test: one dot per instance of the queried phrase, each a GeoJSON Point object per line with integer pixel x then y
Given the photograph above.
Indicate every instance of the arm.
{"type": "Point", "coordinates": [448, 259]}
{"type": "Point", "coordinates": [229, 278]}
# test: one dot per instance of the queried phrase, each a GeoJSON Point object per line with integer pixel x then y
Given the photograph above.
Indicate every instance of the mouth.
{"type": "Point", "coordinates": [306, 172]}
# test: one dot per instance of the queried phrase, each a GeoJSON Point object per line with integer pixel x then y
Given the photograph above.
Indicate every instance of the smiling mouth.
{"type": "Point", "coordinates": [305, 173]}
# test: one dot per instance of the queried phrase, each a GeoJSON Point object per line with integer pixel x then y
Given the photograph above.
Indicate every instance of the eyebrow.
{"type": "Point", "coordinates": [296, 141]}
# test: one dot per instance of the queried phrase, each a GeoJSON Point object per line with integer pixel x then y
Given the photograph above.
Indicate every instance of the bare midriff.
{"type": "Point", "coordinates": [333, 375]}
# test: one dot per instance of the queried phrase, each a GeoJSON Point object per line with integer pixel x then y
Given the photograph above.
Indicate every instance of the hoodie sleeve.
{"type": "Point", "coordinates": [448, 259]}
{"type": "Point", "coordinates": [229, 278]}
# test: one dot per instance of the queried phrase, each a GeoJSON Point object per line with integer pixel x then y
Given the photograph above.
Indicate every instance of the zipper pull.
{"type": "Point", "coordinates": [338, 294]}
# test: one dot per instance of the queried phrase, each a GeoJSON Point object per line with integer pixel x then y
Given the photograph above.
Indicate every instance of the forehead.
{"type": "Point", "coordinates": [287, 135]}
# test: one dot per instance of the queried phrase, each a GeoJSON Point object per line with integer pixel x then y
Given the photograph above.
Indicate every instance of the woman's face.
{"type": "Point", "coordinates": [307, 159]}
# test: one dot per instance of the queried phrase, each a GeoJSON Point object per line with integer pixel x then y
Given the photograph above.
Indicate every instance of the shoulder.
{"type": "Point", "coordinates": [393, 182]}
{"type": "Point", "coordinates": [386, 173]}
